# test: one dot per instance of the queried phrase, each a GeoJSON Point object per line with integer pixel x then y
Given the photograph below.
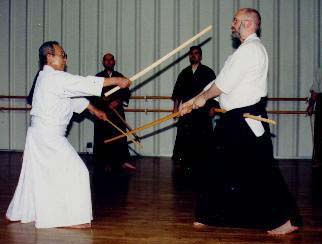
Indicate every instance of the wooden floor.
{"type": "Point", "coordinates": [155, 205]}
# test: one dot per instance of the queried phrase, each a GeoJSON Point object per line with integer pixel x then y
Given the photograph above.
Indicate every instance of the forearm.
{"type": "Point", "coordinates": [212, 92]}
{"type": "Point", "coordinates": [122, 82]}
{"type": "Point", "coordinates": [110, 81]}
{"type": "Point", "coordinates": [91, 108]}
{"type": "Point", "coordinates": [98, 113]}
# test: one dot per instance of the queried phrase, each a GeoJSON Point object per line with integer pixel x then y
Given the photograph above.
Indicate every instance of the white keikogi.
{"type": "Point", "coordinates": [54, 186]}
{"type": "Point", "coordinates": [243, 79]}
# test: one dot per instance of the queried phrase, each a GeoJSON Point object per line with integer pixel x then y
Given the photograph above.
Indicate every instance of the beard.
{"type": "Point", "coordinates": [109, 68]}
{"type": "Point", "coordinates": [192, 61]}
{"type": "Point", "coordinates": [235, 37]}
{"type": "Point", "coordinates": [235, 34]}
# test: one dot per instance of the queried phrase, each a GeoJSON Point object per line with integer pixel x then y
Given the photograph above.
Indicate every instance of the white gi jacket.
{"type": "Point", "coordinates": [54, 187]}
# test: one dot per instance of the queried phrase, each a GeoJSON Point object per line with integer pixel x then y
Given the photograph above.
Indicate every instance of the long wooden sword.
{"type": "Point", "coordinates": [158, 62]}
{"type": "Point", "coordinates": [174, 115]}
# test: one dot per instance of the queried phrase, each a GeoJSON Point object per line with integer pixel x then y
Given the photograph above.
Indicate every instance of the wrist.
{"type": "Point", "coordinates": [113, 81]}
{"type": "Point", "coordinates": [205, 96]}
{"type": "Point", "coordinates": [110, 81]}
{"type": "Point", "coordinates": [91, 109]}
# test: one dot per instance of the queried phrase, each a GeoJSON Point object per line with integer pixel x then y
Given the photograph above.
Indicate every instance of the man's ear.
{"type": "Point", "coordinates": [49, 58]}
{"type": "Point", "coordinates": [250, 24]}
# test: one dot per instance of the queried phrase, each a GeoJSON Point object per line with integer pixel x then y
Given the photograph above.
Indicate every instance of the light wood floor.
{"type": "Point", "coordinates": [155, 205]}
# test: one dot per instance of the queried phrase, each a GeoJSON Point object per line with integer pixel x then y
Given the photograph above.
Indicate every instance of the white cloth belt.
{"type": "Point", "coordinates": [40, 124]}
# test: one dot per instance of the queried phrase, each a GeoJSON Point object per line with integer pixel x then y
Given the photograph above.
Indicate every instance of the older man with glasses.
{"type": "Point", "coordinates": [54, 187]}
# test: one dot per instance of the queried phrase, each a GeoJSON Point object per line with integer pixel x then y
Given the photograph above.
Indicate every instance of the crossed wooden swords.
{"type": "Point", "coordinates": [136, 139]}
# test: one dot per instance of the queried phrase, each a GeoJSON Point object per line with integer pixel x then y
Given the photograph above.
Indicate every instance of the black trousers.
{"type": "Point", "coordinates": [317, 148]}
{"type": "Point", "coordinates": [112, 154]}
{"type": "Point", "coordinates": [246, 188]}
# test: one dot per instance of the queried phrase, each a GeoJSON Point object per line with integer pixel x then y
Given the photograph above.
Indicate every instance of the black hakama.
{"type": "Point", "coordinates": [247, 188]}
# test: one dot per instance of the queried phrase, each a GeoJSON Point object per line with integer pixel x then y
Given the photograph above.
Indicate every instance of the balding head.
{"type": "Point", "coordinates": [108, 61]}
{"type": "Point", "coordinates": [254, 15]}
{"type": "Point", "coordinates": [246, 21]}
{"type": "Point", "coordinates": [108, 55]}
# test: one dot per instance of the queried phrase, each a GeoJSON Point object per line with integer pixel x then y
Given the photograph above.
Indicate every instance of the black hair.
{"type": "Point", "coordinates": [46, 48]}
{"type": "Point", "coordinates": [195, 48]}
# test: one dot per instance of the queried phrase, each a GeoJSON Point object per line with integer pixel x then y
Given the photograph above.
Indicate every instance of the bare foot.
{"type": "Point", "coordinates": [198, 225]}
{"type": "Point", "coordinates": [283, 229]}
{"type": "Point", "coordinates": [128, 166]}
{"type": "Point", "coordinates": [81, 226]}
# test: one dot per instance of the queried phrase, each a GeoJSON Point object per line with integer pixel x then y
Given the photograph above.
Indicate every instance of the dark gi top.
{"type": "Point", "coordinates": [116, 153]}
{"type": "Point", "coordinates": [194, 130]}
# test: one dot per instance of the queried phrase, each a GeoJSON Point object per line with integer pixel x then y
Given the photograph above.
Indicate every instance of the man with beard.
{"type": "Point", "coordinates": [54, 187]}
{"type": "Point", "coordinates": [250, 191]}
{"type": "Point", "coordinates": [194, 131]}
{"type": "Point", "coordinates": [190, 82]}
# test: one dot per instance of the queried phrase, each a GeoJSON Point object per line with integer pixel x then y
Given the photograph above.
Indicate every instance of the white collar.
{"type": "Point", "coordinates": [48, 68]}
{"type": "Point", "coordinates": [251, 37]}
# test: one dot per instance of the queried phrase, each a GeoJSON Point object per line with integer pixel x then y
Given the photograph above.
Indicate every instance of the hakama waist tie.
{"type": "Point", "coordinates": [42, 125]}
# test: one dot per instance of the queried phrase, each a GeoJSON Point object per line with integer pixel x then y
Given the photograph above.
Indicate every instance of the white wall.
{"type": "Point", "coordinates": [140, 31]}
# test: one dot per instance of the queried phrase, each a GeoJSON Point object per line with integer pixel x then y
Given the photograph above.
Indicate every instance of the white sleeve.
{"type": "Point", "coordinates": [209, 85]}
{"type": "Point", "coordinates": [77, 86]}
{"type": "Point", "coordinates": [79, 104]}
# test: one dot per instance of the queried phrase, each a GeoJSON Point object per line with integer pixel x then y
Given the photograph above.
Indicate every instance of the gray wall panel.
{"type": "Point", "coordinates": [149, 42]}
{"type": "Point", "coordinates": [88, 56]}
{"type": "Point", "coordinates": [318, 30]}
{"type": "Point", "coordinates": [285, 87]}
{"type": "Point", "coordinates": [35, 35]}
{"type": "Point", "coordinates": [139, 32]}
{"type": "Point", "coordinates": [18, 70]}
{"type": "Point", "coordinates": [306, 62]}
{"type": "Point", "coordinates": [166, 77]}
{"type": "Point", "coordinates": [53, 19]}
{"type": "Point", "coordinates": [205, 20]}
{"type": "Point", "coordinates": [71, 42]}
{"type": "Point", "coordinates": [5, 71]}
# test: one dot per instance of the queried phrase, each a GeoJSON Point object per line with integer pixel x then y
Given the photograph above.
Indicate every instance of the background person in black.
{"type": "Point", "coordinates": [113, 156]}
{"type": "Point", "coordinates": [315, 104]}
{"type": "Point", "coordinates": [195, 130]}
{"type": "Point", "coordinates": [198, 124]}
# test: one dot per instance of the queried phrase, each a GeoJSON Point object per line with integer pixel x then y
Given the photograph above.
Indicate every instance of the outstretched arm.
{"type": "Point", "coordinates": [200, 100]}
{"type": "Point", "coordinates": [97, 112]}
{"type": "Point", "coordinates": [122, 82]}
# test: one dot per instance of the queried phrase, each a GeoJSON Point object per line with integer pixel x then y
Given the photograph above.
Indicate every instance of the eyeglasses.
{"type": "Point", "coordinates": [235, 20]}
{"type": "Point", "coordinates": [63, 55]}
